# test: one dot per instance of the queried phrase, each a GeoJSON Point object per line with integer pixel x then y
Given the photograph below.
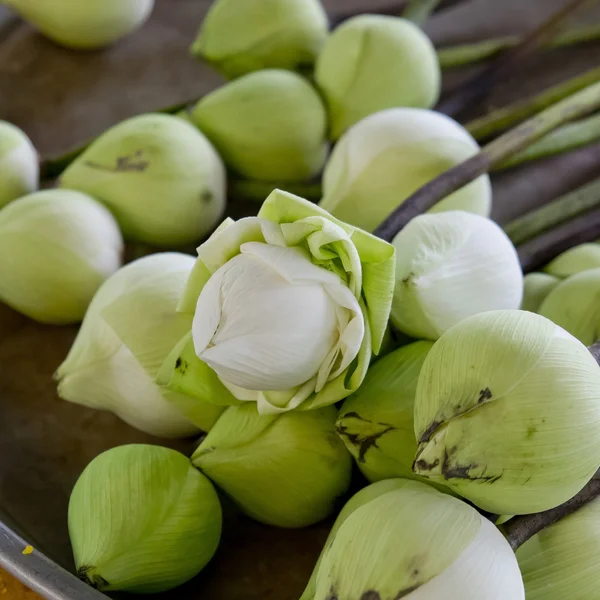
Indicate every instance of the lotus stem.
{"type": "Point", "coordinates": [418, 11]}
{"type": "Point", "coordinates": [463, 55]}
{"type": "Point", "coordinates": [479, 86]}
{"type": "Point", "coordinates": [499, 120]}
{"type": "Point", "coordinates": [578, 105]}
{"type": "Point", "coordinates": [555, 213]}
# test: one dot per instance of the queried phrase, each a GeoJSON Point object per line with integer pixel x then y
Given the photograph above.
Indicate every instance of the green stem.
{"type": "Point", "coordinates": [502, 119]}
{"type": "Point", "coordinates": [567, 138]}
{"type": "Point", "coordinates": [555, 213]}
{"type": "Point", "coordinates": [259, 190]}
{"type": "Point", "coordinates": [418, 11]}
{"type": "Point", "coordinates": [578, 105]}
{"type": "Point", "coordinates": [468, 54]}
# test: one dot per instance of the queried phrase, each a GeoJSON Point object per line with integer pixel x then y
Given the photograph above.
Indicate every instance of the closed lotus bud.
{"type": "Point", "coordinates": [407, 540]}
{"type": "Point", "coordinates": [56, 249]}
{"type": "Point", "coordinates": [130, 328]}
{"type": "Point", "coordinates": [285, 470]}
{"type": "Point", "coordinates": [19, 166]}
{"type": "Point", "coordinates": [142, 520]}
{"type": "Point", "coordinates": [268, 125]}
{"type": "Point", "coordinates": [385, 158]}
{"type": "Point", "coordinates": [451, 266]}
{"type": "Point", "coordinates": [160, 177]}
{"type": "Point", "coordinates": [507, 413]}
{"type": "Point", "coordinates": [376, 422]}
{"type": "Point", "coordinates": [374, 62]}
{"type": "Point", "coordinates": [562, 561]}
{"type": "Point", "coordinates": [575, 260]}
{"type": "Point", "coordinates": [84, 25]}
{"type": "Point", "coordinates": [536, 288]}
{"type": "Point", "coordinates": [288, 308]}
{"type": "Point", "coordinates": [574, 305]}
{"type": "Point", "coordinates": [240, 37]}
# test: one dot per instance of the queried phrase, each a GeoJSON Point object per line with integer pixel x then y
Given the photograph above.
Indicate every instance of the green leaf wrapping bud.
{"type": "Point", "coordinates": [268, 125]}
{"type": "Point", "coordinates": [507, 413]}
{"type": "Point", "coordinates": [287, 470]}
{"type": "Point", "coordinates": [160, 177]}
{"type": "Point", "coordinates": [562, 561]}
{"type": "Point", "coordinates": [575, 260]}
{"type": "Point", "coordinates": [574, 305]}
{"type": "Point", "coordinates": [84, 25]}
{"type": "Point", "coordinates": [370, 63]}
{"type": "Point", "coordinates": [19, 166]}
{"type": "Point", "coordinates": [142, 520]}
{"type": "Point", "coordinates": [415, 543]}
{"type": "Point", "coordinates": [240, 37]}
{"type": "Point", "coordinates": [130, 328]}
{"type": "Point", "coordinates": [376, 422]}
{"type": "Point", "coordinates": [385, 158]}
{"type": "Point", "coordinates": [450, 266]}
{"type": "Point", "coordinates": [56, 249]}
{"type": "Point", "coordinates": [536, 288]}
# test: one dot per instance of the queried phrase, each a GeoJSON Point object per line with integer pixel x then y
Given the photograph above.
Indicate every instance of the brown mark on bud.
{"type": "Point", "coordinates": [206, 196]}
{"type": "Point", "coordinates": [125, 164]}
{"type": "Point", "coordinates": [93, 580]}
{"type": "Point", "coordinates": [484, 395]}
{"type": "Point", "coordinates": [371, 595]}
{"type": "Point", "coordinates": [405, 592]}
{"type": "Point", "coordinates": [181, 365]}
{"type": "Point", "coordinates": [363, 442]}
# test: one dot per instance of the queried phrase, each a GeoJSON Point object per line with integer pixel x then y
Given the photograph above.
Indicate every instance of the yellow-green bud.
{"type": "Point", "coordinates": [19, 170]}
{"type": "Point", "coordinates": [142, 520]}
{"type": "Point", "coordinates": [240, 37]}
{"type": "Point", "coordinates": [507, 413]}
{"type": "Point", "coordinates": [84, 24]}
{"type": "Point", "coordinates": [267, 125]}
{"type": "Point", "coordinates": [286, 470]}
{"type": "Point", "coordinates": [56, 249]}
{"type": "Point", "coordinates": [575, 260]}
{"type": "Point", "coordinates": [386, 157]}
{"type": "Point", "coordinates": [574, 305]}
{"type": "Point", "coordinates": [536, 288]}
{"type": "Point", "coordinates": [372, 62]}
{"type": "Point", "coordinates": [160, 177]}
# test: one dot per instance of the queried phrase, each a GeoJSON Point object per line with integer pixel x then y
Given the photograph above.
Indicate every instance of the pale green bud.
{"type": "Point", "coordinates": [536, 288]}
{"type": "Point", "coordinates": [574, 305]}
{"type": "Point", "coordinates": [507, 413]}
{"type": "Point", "coordinates": [562, 561]}
{"type": "Point", "coordinates": [240, 37]}
{"type": "Point", "coordinates": [84, 24]}
{"type": "Point", "coordinates": [575, 260]}
{"type": "Point", "coordinates": [268, 125]}
{"type": "Point", "coordinates": [160, 177]}
{"type": "Point", "coordinates": [450, 266]}
{"type": "Point", "coordinates": [130, 328]}
{"type": "Point", "coordinates": [19, 165]}
{"type": "Point", "coordinates": [385, 158]}
{"type": "Point", "coordinates": [56, 249]}
{"type": "Point", "coordinates": [372, 62]}
{"type": "Point", "coordinates": [407, 540]}
{"type": "Point", "coordinates": [142, 520]}
{"type": "Point", "coordinates": [287, 470]}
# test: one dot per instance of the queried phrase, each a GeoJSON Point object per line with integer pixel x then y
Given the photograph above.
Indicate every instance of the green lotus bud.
{"type": "Point", "coordinates": [376, 422]}
{"type": "Point", "coordinates": [239, 37]}
{"type": "Point", "coordinates": [268, 125]}
{"type": "Point", "coordinates": [19, 166]}
{"type": "Point", "coordinates": [450, 266]}
{"type": "Point", "coordinates": [142, 520]}
{"type": "Point", "coordinates": [328, 287]}
{"type": "Point", "coordinates": [159, 176]}
{"type": "Point", "coordinates": [536, 288]}
{"type": "Point", "coordinates": [573, 261]}
{"type": "Point", "coordinates": [130, 328]}
{"type": "Point", "coordinates": [507, 413]}
{"type": "Point", "coordinates": [562, 561]}
{"type": "Point", "coordinates": [285, 470]}
{"type": "Point", "coordinates": [374, 62]}
{"type": "Point", "coordinates": [84, 25]}
{"type": "Point", "coordinates": [573, 305]}
{"type": "Point", "coordinates": [56, 249]}
{"type": "Point", "coordinates": [416, 543]}
{"type": "Point", "coordinates": [382, 160]}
